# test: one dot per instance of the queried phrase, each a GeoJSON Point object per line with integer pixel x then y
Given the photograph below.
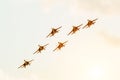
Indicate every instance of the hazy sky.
{"type": "Point", "coordinates": [90, 54]}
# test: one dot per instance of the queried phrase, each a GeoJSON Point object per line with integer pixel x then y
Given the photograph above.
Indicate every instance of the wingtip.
{"type": "Point", "coordinates": [60, 27]}
{"type": "Point", "coordinates": [54, 50]}
{"type": "Point", "coordinates": [32, 60]}
{"type": "Point", "coordinates": [68, 34]}
{"type": "Point", "coordinates": [66, 41]}
{"type": "Point", "coordinates": [83, 27]}
{"type": "Point", "coordinates": [33, 53]}
{"type": "Point", "coordinates": [95, 19]}
{"type": "Point", "coordinates": [81, 24]}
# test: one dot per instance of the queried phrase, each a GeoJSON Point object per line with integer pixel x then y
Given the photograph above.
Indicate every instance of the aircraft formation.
{"type": "Point", "coordinates": [60, 44]}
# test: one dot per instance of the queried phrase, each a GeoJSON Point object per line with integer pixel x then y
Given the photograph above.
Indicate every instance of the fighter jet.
{"type": "Point", "coordinates": [60, 45]}
{"type": "Point", "coordinates": [26, 63]}
{"type": "Point", "coordinates": [75, 28]}
{"type": "Point", "coordinates": [41, 48]}
{"type": "Point", "coordinates": [54, 31]}
{"type": "Point", "coordinates": [90, 22]}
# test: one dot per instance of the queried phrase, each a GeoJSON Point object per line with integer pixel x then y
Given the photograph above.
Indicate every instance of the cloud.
{"type": "Point", "coordinates": [100, 6]}
{"type": "Point", "coordinates": [107, 7]}
{"type": "Point", "coordinates": [110, 39]}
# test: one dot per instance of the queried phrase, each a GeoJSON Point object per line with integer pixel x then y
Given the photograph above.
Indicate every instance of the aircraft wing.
{"type": "Point", "coordinates": [20, 66]}
{"type": "Point", "coordinates": [55, 49]}
{"type": "Point", "coordinates": [45, 44]}
{"type": "Point", "coordinates": [80, 25]}
{"type": "Point", "coordinates": [31, 60]}
{"type": "Point", "coordinates": [70, 32]}
{"type": "Point", "coordinates": [95, 19]}
{"type": "Point", "coordinates": [84, 26]}
{"type": "Point", "coordinates": [35, 51]}
{"type": "Point", "coordinates": [59, 27]}
{"type": "Point", "coordinates": [65, 42]}
{"type": "Point", "coordinates": [48, 35]}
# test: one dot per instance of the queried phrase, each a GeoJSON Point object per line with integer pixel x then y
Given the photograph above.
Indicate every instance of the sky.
{"type": "Point", "coordinates": [90, 54]}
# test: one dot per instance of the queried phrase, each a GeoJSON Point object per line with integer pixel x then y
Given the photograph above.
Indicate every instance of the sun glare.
{"type": "Point", "coordinates": [96, 72]}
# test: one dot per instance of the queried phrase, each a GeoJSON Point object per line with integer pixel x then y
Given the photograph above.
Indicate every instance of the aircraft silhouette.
{"type": "Point", "coordinates": [75, 28]}
{"type": "Point", "coordinates": [26, 63]}
{"type": "Point", "coordinates": [90, 22]}
{"type": "Point", "coordinates": [60, 45]}
{"type": "Point", "coordinates": [41, 48]}
{"type": "Point", "coordinates": [54, 31]}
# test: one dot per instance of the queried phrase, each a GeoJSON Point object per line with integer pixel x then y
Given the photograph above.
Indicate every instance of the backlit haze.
{"type": "Point", "coordinates": [89, 54]}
